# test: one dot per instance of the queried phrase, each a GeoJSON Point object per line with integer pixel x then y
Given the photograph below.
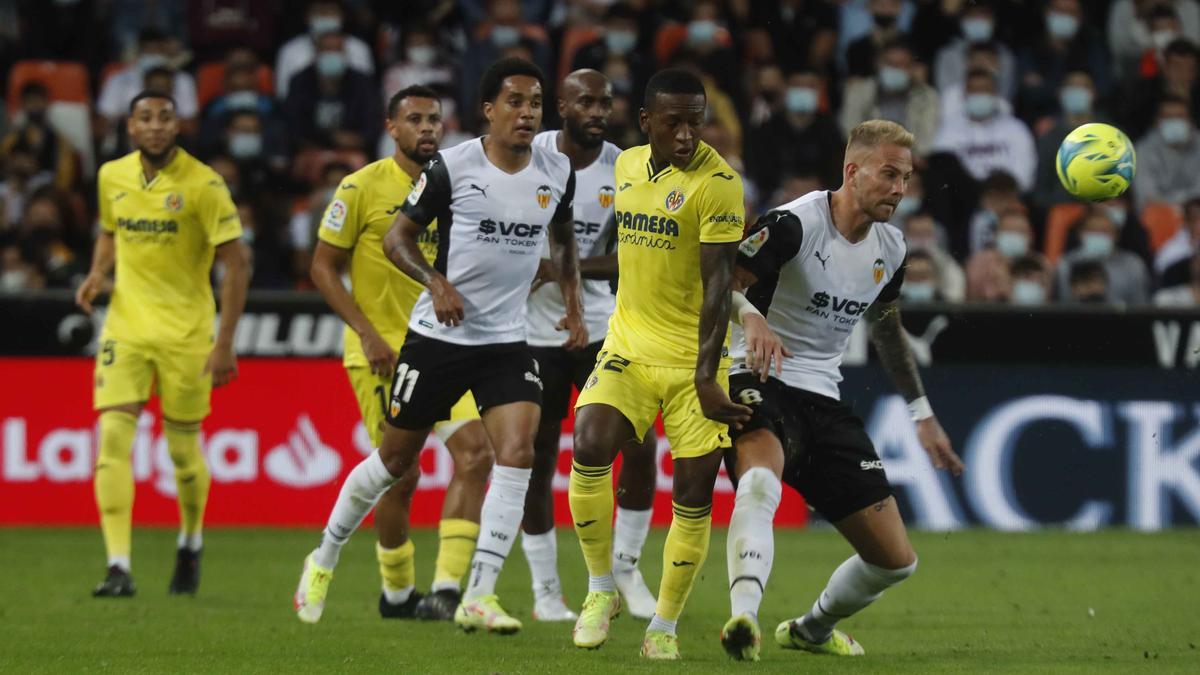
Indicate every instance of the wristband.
{"type": "Point", "coordinates": [742, 307]}
{"type": "Point", "coordinates": [920, 409]}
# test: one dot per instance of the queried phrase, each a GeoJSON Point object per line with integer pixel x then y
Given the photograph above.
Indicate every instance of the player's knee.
{"type": "Point", "coordinates": [404, 488]}
{"type": "Point", "coordinates": [515, 453]}
{"type": "Point", "coordinates": [592, 447]}
{"type": "Point", "coordinates": [759, 486]}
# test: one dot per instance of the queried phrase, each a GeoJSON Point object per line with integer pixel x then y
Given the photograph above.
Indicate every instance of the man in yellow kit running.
{"type": "Point", "coordinates": [679, 216]}
{"type": "Point", "coordinates": [376, 311]}
{"type": "Point", "coordinates": [164, 216]}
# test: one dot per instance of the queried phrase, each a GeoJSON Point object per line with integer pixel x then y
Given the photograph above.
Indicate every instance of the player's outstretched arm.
{"type": "Point", "coordinates": [326, 272]}
{"type": "Point", "coordinates": [400, 246]}
{"type": "Point", "coordinates": [716, 277]}
{"type": "Point", "coordinates": [235, 258]}
{"type": "Point", "coordinates": [564, 257]}
{"type": "Point", "coordinates": [103, 258]}
{"type": "Point", "coordinates": [887, 335]}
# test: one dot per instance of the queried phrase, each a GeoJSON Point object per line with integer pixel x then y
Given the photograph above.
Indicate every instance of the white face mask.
{"type": "Point", "coordinates": [1062, 25]}
{"type": "Point", "coordinates": [801, 100]}
{"type": "Point", "coordinates": [1075, 100]}
{"type": "Point", "coordinates": [1095, 245]}
{"type": "Point", "coordinates": [907, 206]}
{"type": "Point", "coordinates": [13, 280]}
{"type": "Point", "coordinates": [1174, 130]}
{"type": "Point", "coordinates": [1163, 38]}
{"type": "Point", "coordinates": [505, 36]}
{"type": "Point", "coordinates": [320, 25]}
{"type": "Point", "coordinates": [980, 106]}
{"type": "Point", "coordinates": [242, 100]}
{"type": "Point", "coordinates": [1012, 244]}
{"type": "Point", "coordinates": [422, 55]}
{"type": "Point", "coordinates": [701, 33]}
{"type": "Point", "coordinates": [893, 79]}
{"type": "Point", "coordinates": [1026, 292]}
{"type": "Point", "coordinates": [977, 29]}
{"type": "Point", "coordinates": [918, 291]}
{"type": "Point", "coordinates": [244, 145]}
{"type": "Point", "coordinates": [331, 64]}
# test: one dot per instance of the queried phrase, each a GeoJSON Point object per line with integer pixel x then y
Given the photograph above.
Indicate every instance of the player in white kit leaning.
{"type": "Point", "coordinates": [495, 199]}
{"type": "Point", "coordinates": [815, 267]}
{"type": "Point", "coordinates": [584, 103]}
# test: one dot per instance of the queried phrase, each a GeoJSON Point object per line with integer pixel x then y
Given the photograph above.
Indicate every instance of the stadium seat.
{"type": "Point", "coordinates": [1059, 220]}
{"type": "Point", "coordinates": [67, 81]}
{"type": "Point", "coordinates": [1162, 221]}
{"type": "Point", "coordinates": [210, 81]}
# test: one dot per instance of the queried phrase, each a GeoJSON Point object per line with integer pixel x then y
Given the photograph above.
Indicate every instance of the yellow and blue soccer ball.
{"type": "Point", "coordinates": [1096, 162]}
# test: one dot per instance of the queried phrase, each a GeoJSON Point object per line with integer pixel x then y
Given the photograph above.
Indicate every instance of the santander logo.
{"type": "Point", "coordinates": [303, 460]}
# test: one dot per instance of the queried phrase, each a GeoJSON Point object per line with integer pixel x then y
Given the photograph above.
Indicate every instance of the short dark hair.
{"type": "Point", "coordinates": [921, 254]}
{"type": "Point", "coordinates": [1181, 47]}
{"type": "Point", "coordinates": [673, 81]}
{"type": "Point", "coordinates": [1027, 264]}
{"type": "Point", "coordinates": [144, 94]}
{"type": "Point", "coordinates": [1087, 270]}
{"type": "Point", "coordinates": [417, 90]}
{"type": "Point", "coordinates": [1176, 99]}
{"type": "Point", "coordinates": [34, 88]}
{"type": "Point", "coordinates": [493, 80]}
{"type": "Point", "coordinates": [1000, 181]}
{"type": "Point", "coordinates": [980, 72]}
{"type": "Point", "coordinates": [894, 43]}
{"type": "Point", "coordinates": [1162, 10]}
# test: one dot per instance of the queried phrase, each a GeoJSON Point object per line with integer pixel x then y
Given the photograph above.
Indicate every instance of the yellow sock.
{"type": "Point", "coordinates": [114, 483]}
{"type": "Point", "coordinates": [397, 565]}
{"type": "Point", "coordinates": [191, 473]}
{"type": "Point", "coordinates": [683, 556]}
{"type": "Point", "coordinates": [456, 545]}
{"type": "Point", "coordinates": [591, 497]}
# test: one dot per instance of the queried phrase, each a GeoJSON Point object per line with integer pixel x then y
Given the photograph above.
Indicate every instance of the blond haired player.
{"type": "Point", "coordinates": [164, 217]}
{"type": "Point", "coordinates": [376, 311]}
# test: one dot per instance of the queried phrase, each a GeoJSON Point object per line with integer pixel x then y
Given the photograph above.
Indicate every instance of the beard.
{"type": "Point", "coordinates": [415, 154]}
{"type": "Point", "coordinates": [580, 136]}
{"type": "Point", "coordinates": [157, 157]}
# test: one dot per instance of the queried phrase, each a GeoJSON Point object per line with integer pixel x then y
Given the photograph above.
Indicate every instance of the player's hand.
{"type": "Point", "coordinates": [577, 333]}
{"type": "Point", "coordinates": [763, 347]}
{"type": "Point", "coordinates": [88, 290]}
{"type": "Point", "coordinates": [222, 363]}
{"type": "Point", "coordinates": [715, 404]}
{"type": "Point", "coordinates": [546, 274]}
{"type": "Point", "coordinates": [935, 441]}
{"type": "Point", "coordinates": [447, 303]}
{"type": "Point", "coordinates": [378, 352]}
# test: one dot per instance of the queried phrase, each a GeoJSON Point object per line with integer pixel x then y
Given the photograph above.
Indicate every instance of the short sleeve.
{"type": "Point", "coordinates": [721, 208]}
{"type": "Point", "coordinates": [565, 212]}
{"type": "Point", "coordinates": [340, 224]}
{"type": "Point", "coordinates": [431, 195]}
{"type": "Point", "coordinates": [218, 215]}
{"type": "Point", "coordinates": [104, 202]}
{"type": "Point", "coordinates": [891, 292]}
{"type": "Point", "coordinates": [774, 240]}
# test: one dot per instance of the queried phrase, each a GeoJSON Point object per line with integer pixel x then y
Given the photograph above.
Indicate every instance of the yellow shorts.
{"type": "Point", "coordinates": [639, 391]}
{"type": "Point", "coordinates": [371, 390]}
{"type": "Point", "coordinates": [127, 373]}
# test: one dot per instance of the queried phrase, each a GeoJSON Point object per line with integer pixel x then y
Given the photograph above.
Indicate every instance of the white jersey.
{"type": "Point", "coordinates": [593, 232]}
{"type": "Point", "coordinates": [492, 226]}
{"type": "Point", "coordinates": [814, 286]}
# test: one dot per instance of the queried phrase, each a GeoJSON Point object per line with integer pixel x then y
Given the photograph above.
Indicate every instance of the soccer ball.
{"type": "Point", "coordinates": [1096, 162]}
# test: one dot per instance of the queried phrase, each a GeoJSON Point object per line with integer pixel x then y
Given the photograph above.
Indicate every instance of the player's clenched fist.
{"type": "Point", "coordinates": [88, 290]}
{"type": "Point", "coordinates": [577, 334]}
{"type": "Point", "coordinates": [447, 303]}
{"type": "Point", "coordinates": [222, 363]}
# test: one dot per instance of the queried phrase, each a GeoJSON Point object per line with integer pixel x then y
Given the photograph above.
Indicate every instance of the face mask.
{"type": "Point", "coordinates": [1117, 214]}
{"type": "Point", "coordinates": [1026, 292]}
{"type": "Point", "coordinates": [907, 206]}
{"type": "Point", "coordinates": [1095, 245]}
{"type": "Point", "coordinates": [244, 145]}
{"type": "Point", "coordinates": [620, 41]}
{"type": "Point", "coordinates": [505, 36]}
{"type": "Point", "coordinates": [422, 55]}
{"type": "Point", "coordinates": [331, 64]}
{"type": "Point", "coordinates": [148, 62]}
{"type": "Point", "coordinates": [321, 25]}
{"type": "Point", "coordinates": [893, 79]}
{"type": "Point", "coordinates": [977, 30]}
{"type": "Point", "coordinates": [801, 100]}
{"type": "Point", "coordinates": [1061, 25]}
{"type": "Point", "coordinates": [242, 100]}
{"type": "Point", "coordinates": [1174, 131]}
{"type": "Point", "coordinates": [980, 106]}
{"type": "Point", "coordinates": [1163, 38]}
{"type": "Point", "coordinates": [1075, 100]}
{"type": "Point", "coordinates": [702, 33]}
{"type": "Point", "coordinates": [1012, 244]}
{"type": "Point", "coordinates": [13, 280]}
{"type": "Point", "coordinates": [918, 291]}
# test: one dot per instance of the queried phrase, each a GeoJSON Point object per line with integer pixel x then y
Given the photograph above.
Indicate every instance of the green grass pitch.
{"type": "Point", "coordinates": [980, 602]}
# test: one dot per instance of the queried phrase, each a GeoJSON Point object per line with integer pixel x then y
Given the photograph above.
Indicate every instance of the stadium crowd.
{"type": "Point", "coordinates": [283, 99]}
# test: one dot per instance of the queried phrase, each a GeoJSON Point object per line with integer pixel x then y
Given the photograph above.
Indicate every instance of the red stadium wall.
{"type": "Point", "coordinates": [279, 443]}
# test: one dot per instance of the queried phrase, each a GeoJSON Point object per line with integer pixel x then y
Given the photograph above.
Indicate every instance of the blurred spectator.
{"type": "Point", "coordinates": [154, 51]}
{"type": "Point", "coordinates": [988, 277]}
{"type": "Point", "coordinates": [22, 178]}
{"type": "Point", "coordinates": [424, 63]}
{"type": "Point", "coordinates": [921, 281]}
{"type": "Point", "coordinates": [922, 233]}
{"type": "Point", "coordinates": [985, 138]}
{"type": "Point", "coordinates": [1128, 282]}
{"type": "Point", "coordinates": [1130, 35]}
{"type": "Point", "coordinates": [803, 33]}
{"type": "Point", "coordinates": [894, 93]}
{"type": "Point", "coordinates": [503, 28]}
{"type": "Point", "coordinates": [51, 149]}
{"type": "Point", "coordinates": [1076, 103]}
{"type": "Point", "coordinates": [128, 19]}
{"type": "Point", "coordinates": [855, 20]}
{"type": "Point", "coordinates": [800, 140]}
{"type": "Point", "coordinates": [306, 214]}
{"type": "Point", "coordinates": [999, 194]}
{"type": "Point", "coordinates": [706, 44]}
{"type": "Point", "coordinates": [1186, 294]}
{"type": "Point", "coordinates": [1068, 44]}
{"type": "Point", "coordinates": [217, 25]}
{"type": "Point", "coordinates": [623, 127]}
{"type": "Point", "coordinates": [240, 93]}
{"type": "Point", "coordinates": [58, 30]}
{"type": "Point", "coordinates": [1132, 235]}
{"type": "Point", "coordinates": [1168, 157]}
{"type": "Point", "coordinates": [977, 27]}
{"type": "Point", "coordinates": [1178, 78]}
{"type": "Point", "coordinates": [619, 40]}
{"type": "Point", "coordinates": [766, 94]}
{"type": "Point", "coordinates": [862, 55]}
{"type": "Point", "coordinates": [1030, 281]}
{"type": "Point", "coordinates": [330, 105]}
{"type": "Point", "coordinates": [260, 156]}
{"type": "Point", "coordinates": [1180, 247]}
{"type": "Point", "coordinates": [1014, 234]}
{"type": "Point", "coordinates": [17, 272]}
{"type": "Point", "coordinates": [44, 232]}
{"type": "Point", "coordinates": [1087, 282]}
{"type": "Point", "coordinates": [324, 18]}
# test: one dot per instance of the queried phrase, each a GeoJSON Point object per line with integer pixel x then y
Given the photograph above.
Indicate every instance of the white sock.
{"type": "Point", "coordinates": [629, 534]}
{"type": "Point", "coordinates": [363, 487]}
{"type": "Point", "coordinates": [602, 584]}
{"type": "Point", "coordinates": [121, 561]}
{"type": "Point", "coordinates": [397, 597]}
{"type": "Point", "coordinates": [659, 623]}
{"type": "Point", "coordinates": [750, 546]}
{"type": "Point", "coordinates": [192, 542]}
{"type": "Point", "coordinates": [499, 522]}
{"type": "Point", "coordinates": [854, 585]}
{"type": "Point", "coordinates": [541, 551]}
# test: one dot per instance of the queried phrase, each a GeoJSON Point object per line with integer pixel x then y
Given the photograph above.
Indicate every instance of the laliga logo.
{"type": "Point", "coordinates": [303, 460]}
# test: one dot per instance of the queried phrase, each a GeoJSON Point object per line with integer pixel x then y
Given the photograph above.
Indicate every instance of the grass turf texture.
{"type": "Point", "coordinates": [980, 602]}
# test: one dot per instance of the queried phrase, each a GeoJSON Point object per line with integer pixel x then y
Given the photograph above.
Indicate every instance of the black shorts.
{"type": "Point", "coordinates": [828, 456]}
{"type": "Point", "coordinates": [560, 369]}
{"type": "Point", "coordinates": [432, 375]}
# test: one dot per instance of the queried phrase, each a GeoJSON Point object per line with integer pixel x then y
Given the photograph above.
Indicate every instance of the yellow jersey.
{"type": "Point", "coordinates": [363, 209]}
{"type": "Point", "coordinates": [166, 231]}
{"type": "Point", "coordinates": [662, 218]}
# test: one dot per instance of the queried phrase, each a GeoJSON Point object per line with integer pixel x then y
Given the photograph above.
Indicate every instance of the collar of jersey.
{"type": "Point", "coordinates": [653, 177]}
{"type": "Point", "coordinates": [141, 173]}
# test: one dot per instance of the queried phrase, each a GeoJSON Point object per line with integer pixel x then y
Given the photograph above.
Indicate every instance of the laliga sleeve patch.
{"type": "Point", "coordinates": [415, 195]}
{"type": "Point", "coordinates": [751, 245]}
{"type": "Point", "coordinates": [336, 217]}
